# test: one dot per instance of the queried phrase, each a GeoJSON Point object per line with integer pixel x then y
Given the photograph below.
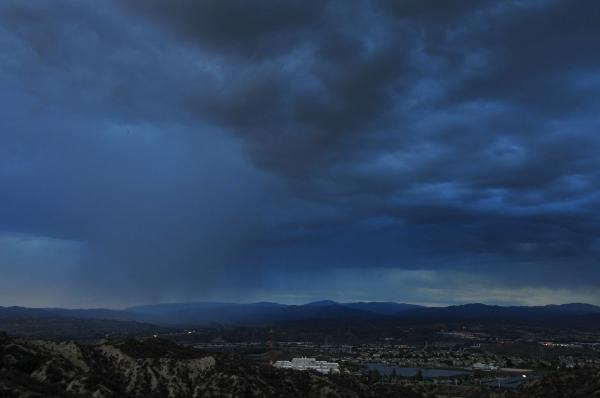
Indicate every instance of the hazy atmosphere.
{"type": "Point", "coordinates": [293, 151]}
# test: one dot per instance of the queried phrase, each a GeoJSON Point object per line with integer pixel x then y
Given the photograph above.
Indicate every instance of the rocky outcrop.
{"type": "Point", "coordinates": [157, 368]}
{"type": "Point", "coordinates": [32, 368]}
{"type": "Point", "coordinates": [580, 383]}
{"type": "Point", "coordinates": [151, 368]}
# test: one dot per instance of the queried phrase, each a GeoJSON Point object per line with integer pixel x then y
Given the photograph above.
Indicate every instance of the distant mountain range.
{"type": "Point", "coordinates": [483, 311]}
{"type": "Point", "coordinates": [264, 312]}
{"type": "Point", "coordinates": [204, 313]}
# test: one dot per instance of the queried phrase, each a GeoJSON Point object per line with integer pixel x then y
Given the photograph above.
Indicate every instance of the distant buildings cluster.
{"type": "Point", "coordinates": [309, 364]}
{"type": "Point", "coordinates": [484, 366]}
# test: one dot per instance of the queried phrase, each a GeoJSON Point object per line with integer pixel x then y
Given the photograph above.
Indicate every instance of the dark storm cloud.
{"type": "Point", "coordinates": [538, 55]}
{"type": "Point", "coordinates": [281, 99]}
{"type": "Point", "coordinates": [233, 27]}
{"type": "Point", "coordinates": [96, 148]}
{"type": "Point", "coordinates": [205, 149]}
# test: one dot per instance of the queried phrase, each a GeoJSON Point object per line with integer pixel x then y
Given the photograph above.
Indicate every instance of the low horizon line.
{"type": "Point", "coordinates": [296, 304]}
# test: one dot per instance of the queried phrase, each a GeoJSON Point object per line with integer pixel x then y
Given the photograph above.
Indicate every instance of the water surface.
{"type": "Point", "coordinates": [412, 372]}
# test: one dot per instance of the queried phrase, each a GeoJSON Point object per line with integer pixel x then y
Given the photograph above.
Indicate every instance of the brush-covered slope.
{"type": "Point", "coordinates": [151, 368]}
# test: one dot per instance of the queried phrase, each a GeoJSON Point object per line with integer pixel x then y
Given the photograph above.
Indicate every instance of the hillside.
{"type": "Point", "coordinates": [483, 311]}
{"type": "Point", "coordinates": [42, 323]}
{"type": "Point", "coordinates": [151, 368]}
{"type": "Point", "coordinates": [263, 313]}
{"type": "Point", "coordinates": [159, 368]}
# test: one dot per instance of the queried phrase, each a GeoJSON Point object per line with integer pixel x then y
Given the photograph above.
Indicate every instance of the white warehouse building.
{"type": "Point", "coordinates": [309, 364]}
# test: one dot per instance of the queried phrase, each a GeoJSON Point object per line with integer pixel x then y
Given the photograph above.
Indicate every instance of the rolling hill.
{"type": "Point", "coordinates": [207, 313]}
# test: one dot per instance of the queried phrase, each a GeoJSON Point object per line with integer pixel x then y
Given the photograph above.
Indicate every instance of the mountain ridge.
{"type": "Point", "coordinates": [479, 310]}
{"type": "Point", "coordinates": [198, 313]}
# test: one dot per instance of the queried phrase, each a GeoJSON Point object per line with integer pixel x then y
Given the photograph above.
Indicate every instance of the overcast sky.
{"type": "Point", "coordinates": [405, 150]}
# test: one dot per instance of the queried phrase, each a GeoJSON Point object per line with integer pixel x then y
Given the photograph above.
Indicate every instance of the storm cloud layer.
{"type": "Point", "coordinates": [424, 151]}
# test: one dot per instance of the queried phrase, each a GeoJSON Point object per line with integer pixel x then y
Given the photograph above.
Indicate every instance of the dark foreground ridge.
{"type": "Point", "coordinates": [160, 368]}
{"type": "Point", "coordinates": [152, 368]}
